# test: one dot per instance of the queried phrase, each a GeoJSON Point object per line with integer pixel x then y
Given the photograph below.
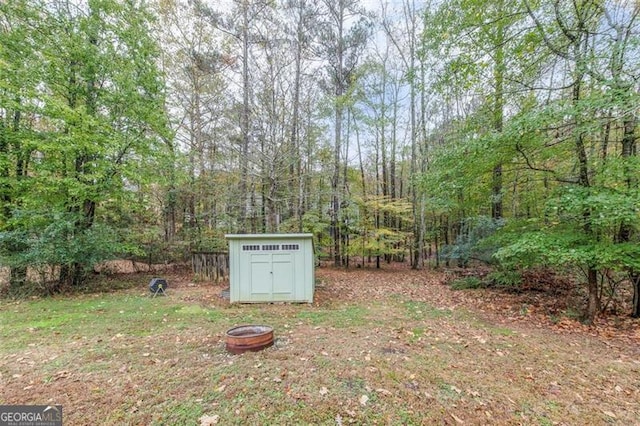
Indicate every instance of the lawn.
{"type": "Point", "coordinates": [377, 347]}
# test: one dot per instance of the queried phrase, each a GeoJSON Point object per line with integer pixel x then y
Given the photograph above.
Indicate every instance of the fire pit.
{"type": "Point", "coordinates": [249, 338]}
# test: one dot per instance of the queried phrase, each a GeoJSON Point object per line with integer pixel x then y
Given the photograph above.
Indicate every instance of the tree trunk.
{"type": "Point", "coordinates": [17, 274]}
{"type": "Point", "coordinates": [170, 202]}
{"type": "Point", "coordinates": [295, 162]}
{"type": "Point", "coordinates": [593, 305]}
{"type": "Point", "coordinates": [337, 148]}
{"type": "Point", "coordinates": [498, 116]}
{"type": "Point", "coordinates": [418, 240]}
{"type": "Point", "coordinates": [394, 148]}
{"type": "Point", "coordinates": [244, 121]}
{"type": "Point", "coordinates": [335, 185]}
{"type": "Point", "coordinates": [626, 230]}
{"type": "Point", "coordinates": [76, 274]}
{"type": "Point", "coordinates": [580, 48]}
{"type": "Point", "coordinates": [635, 282]}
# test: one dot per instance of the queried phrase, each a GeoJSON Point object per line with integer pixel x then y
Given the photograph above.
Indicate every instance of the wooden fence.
{"type": "Point", "coordinates": [210, 266]}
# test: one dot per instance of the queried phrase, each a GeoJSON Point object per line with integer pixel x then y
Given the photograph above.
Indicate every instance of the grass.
{"type": "Point", "coordinates": [348, 316]}
{"type": "Point", "coordinates": [419, 310]}
{"type": "Point", "coordinates": [126, 358]}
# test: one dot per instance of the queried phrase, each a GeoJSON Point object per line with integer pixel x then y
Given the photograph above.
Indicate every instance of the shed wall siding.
{"type": "Point", "coordinates": [271, 268]}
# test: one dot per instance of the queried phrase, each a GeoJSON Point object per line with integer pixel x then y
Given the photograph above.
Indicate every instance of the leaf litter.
{"type": "Point", "coordinates": [384, 346]}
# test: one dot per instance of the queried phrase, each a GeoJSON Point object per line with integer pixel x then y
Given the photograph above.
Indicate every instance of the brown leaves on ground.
{"type": "Point", "coordinates": [389, 346]}
{"type": "Point", "coordinates": [544, 301]}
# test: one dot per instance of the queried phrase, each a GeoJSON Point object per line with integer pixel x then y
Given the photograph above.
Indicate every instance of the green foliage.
{"type": "Point", "coordinates": [568, 180]}
{"type": "Point", "coordinates": [466, 283]}
{"type": "Point", "coordinates": [503, 278]}
{"type": "Point", "coordinates": [560, 248]}
{"type": "Point", "coordinates": [86, 116]}
{"type": "Point", "coordinates": [211, 241]}
{"type": "Point", "coordinates": [607, 208]}
{"type": "Point", "coordinates": [472, 243]}
{"type": "Point", "coordinates": [579, 228]}
{"type": "Point", "coordinates": [377, 242]}
{"type": "Point", "coordinates": [52, 241]}
{"type": "Point", "coordinates": [313, 224]}
{"type": "Point", "coordinates": [368, 234]}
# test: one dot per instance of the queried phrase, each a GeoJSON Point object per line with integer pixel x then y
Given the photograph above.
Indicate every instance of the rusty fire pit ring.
{"type": "Point", "coordinates": [245, 338]}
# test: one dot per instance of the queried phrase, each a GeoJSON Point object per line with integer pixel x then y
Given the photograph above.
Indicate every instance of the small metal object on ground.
{"type": "Point", "coordinates": [226, 293]}
{"type": "Point", "coordinates": [249, 338]}
{"type": "Point", "coordinates": [158, 286]}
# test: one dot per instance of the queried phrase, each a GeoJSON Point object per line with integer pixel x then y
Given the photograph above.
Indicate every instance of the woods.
{"type": "Point", "coordinates": [81, 105]}
{"type": "Point", "coordinates": [435, 133]}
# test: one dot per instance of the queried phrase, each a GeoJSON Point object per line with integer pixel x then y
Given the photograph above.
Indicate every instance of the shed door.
{"type": "Point", "coordinates": [283, 274]}
{"type": "Point", "coordinates": [272, 276]}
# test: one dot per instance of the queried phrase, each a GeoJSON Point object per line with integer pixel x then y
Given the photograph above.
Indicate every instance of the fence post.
{"type": "Point", "coordinates": [210, 266]}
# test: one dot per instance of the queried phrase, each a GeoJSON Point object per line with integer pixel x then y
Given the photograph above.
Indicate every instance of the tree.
{"type": "Point", "coordinates": [98, 107]}
{"type": "Point", "coordinates": [18, 83]}
{"type": "Point", "coordinates": [568, 137]}
{"type": "Point", "coordinates": [304, 14]}
{"type": "Point", "coordinates": [556, 129]}
{"type": "Point", "coordinates": [405, 39]}
{"type": "Point", "coordinates": [342, 43]}
{"type": "Point", "coordinates": [195, 63]}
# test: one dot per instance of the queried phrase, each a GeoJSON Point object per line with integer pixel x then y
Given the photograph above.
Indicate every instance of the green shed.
{"type": "Point", "coordinates": [271, 268]}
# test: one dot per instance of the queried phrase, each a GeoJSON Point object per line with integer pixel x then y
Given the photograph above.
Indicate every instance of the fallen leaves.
{"type": "Point", "coordinates": [457, 419]}
{"type": "Point", "coordinates": [363, 400]}
{"type": "Point", "coordinates": [399, 362]}
{"type": "Point", "coordinates": [209, 420]}
{"type": "Point", "coordinates": [338, 420]}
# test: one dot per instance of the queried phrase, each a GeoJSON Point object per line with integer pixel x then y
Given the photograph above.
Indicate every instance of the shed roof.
{"type": "Point", "coordinates": [267, 236]}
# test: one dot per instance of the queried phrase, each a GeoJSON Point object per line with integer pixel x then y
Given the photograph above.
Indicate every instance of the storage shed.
{"type": "Point", "coordinates": [271, 268]}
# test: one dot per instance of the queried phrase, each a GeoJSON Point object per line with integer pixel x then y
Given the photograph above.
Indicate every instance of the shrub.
{"type": "Point", "coordinates": [473, 242]}
{"type": "Point", "coordinates": [466, 283]}
{"type": "Point", "coordinates": [504, 278]}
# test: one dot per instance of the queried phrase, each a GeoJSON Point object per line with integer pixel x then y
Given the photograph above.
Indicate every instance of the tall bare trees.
{"type": "Point", "coordinates": [343, 36]}
{"type": "Point", "coordinates": [403, 31]}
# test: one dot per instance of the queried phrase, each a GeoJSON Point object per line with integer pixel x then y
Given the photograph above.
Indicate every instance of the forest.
{"type": "Point", "coordinates": [440, 133]}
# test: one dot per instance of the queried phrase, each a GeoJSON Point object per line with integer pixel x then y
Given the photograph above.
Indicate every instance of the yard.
{"type": "Point", "coordinates": [376, 347]}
